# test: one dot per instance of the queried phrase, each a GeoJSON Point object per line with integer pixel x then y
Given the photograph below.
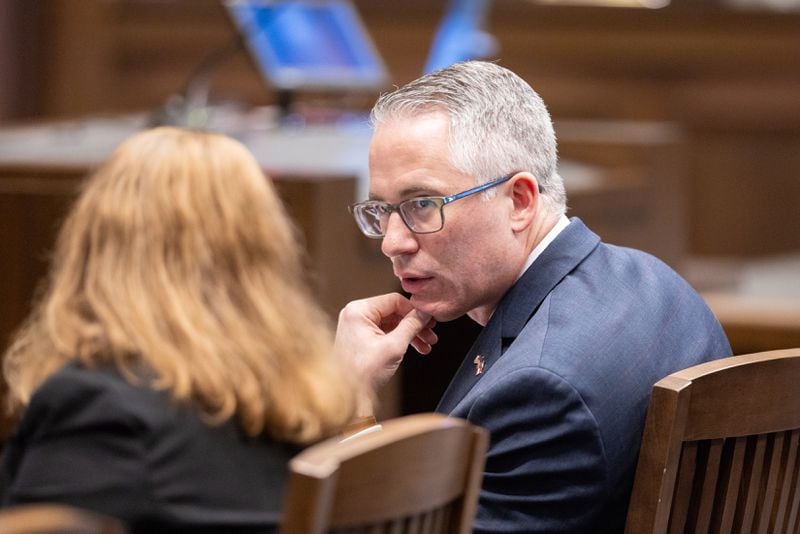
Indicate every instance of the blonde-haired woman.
{"type": "Point", "coordinates": [176, 360]}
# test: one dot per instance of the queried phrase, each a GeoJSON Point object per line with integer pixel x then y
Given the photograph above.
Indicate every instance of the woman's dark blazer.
{"type": "Point", "coordinates": [91, 439]}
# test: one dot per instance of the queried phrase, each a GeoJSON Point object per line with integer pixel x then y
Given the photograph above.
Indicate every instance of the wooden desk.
{"type": "Point", "coordinates": [756, 300]}
{"type": "Point", "coordinates": [757, 323]}
{"type": "Point", "coordinates": [636, 192]}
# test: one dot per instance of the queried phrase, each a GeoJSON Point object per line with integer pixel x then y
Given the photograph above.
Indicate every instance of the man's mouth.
{"type": "Point", "coordinates": [414, 284]}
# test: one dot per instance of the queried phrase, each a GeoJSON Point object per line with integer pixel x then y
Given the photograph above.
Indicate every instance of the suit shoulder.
{"type": "Point", "coordinates": [529, 384]}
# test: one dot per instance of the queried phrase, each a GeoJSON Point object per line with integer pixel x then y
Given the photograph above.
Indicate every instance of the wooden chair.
{"type": "Point", "coordinates": [49, 518]}
{"type": "Point", "coordinates": [720, 449]}
{"type": "Point", "coordinates": [419, 473]}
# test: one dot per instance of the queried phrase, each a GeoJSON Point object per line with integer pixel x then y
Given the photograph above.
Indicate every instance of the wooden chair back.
{"type": "Point", "coordinates": [47, 518]}
{"type": "Point", "coordinates": [419, 473]}
{"type": "Point", "coordinates": [720, 449]}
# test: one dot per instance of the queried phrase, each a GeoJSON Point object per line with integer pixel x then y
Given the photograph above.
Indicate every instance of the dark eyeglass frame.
{"type": "Point", "coordinates": [359, 209]}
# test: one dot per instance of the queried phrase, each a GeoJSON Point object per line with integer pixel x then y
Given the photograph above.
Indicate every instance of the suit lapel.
{"type": "Point", "coordinates": [559, 259]}
{"type": "Point", "coordinates": [485, 350]}
{"type": "Point", "coordinates": [566, 251]}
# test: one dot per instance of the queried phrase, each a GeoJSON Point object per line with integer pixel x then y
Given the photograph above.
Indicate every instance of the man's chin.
{"type": "Point", "coordinates": [441, 313]}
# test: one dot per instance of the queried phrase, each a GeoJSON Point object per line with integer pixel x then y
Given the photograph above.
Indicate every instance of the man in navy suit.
{"type": "Point", "coordinates": [576, 331]}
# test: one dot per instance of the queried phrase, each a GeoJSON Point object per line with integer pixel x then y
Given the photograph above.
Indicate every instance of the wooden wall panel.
{"type": "Point", "coordinates": [729, 78]}
{"type": "Point", "coordinates": [32, 208]}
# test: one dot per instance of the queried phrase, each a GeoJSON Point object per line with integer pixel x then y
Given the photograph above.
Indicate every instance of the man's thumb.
{"type": "Point", "coordinates": [411, 325]}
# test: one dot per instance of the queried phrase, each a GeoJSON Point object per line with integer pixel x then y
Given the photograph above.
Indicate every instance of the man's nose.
{"type": "Point", "coordinates": [398, 239]}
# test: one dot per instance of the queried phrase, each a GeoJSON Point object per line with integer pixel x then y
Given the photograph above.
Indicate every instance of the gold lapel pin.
{"type": "Point", "coordinates": [479, 363]}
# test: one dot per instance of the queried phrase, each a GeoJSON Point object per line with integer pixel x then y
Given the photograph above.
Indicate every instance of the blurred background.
{"type": "Point", "coordinates": [678, 125]}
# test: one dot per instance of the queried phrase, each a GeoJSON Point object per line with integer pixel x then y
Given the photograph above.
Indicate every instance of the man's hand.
{"type": "Point", "coordinates": [374, 334]}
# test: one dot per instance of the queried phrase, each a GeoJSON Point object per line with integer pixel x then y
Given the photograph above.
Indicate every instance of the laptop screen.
{"type": "Point", "coordinates": [461, 35]}
{"type": "Point", "coordinates": [307, 44]}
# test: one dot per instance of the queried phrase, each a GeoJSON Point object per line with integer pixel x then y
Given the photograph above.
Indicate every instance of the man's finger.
{"type": "Point", "coordinates": [410, 326]}
{"type": "Point", "coordinates": [388, 305]}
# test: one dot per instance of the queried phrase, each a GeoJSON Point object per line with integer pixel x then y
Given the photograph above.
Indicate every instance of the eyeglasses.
{"type": "Point", "coordinates": [422, 215]}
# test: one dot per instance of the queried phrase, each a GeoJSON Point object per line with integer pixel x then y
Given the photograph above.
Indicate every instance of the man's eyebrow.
{"type": "Point", "coordinates": [416, 191]}
{"type": "Point", "coordinates": [409, 192]}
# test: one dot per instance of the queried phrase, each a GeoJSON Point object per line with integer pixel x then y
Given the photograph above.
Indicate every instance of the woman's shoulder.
{"type": "Point", "coordinates": [77, 380]}
{"type": "Point", "coordinates": [75, 376]}
{"type": "Point", "coordinates": [79, 395]}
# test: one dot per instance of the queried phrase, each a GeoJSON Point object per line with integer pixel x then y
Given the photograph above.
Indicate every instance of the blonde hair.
{"type": "Point", "coordinates": [179, 257]}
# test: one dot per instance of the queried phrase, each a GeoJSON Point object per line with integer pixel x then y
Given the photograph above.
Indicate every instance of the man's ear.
{"type": "Point", "coordinates": [525, 195]}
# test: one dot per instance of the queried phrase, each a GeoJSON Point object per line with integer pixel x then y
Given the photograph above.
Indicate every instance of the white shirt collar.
{"type": "Point", "coordinates": [562, 223]}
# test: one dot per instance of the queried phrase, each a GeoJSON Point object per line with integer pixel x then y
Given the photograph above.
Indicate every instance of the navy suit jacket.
{"type": "Point", "coordinates": [569, 360]}
{"type": "Point", "coordinates": [90, 439]}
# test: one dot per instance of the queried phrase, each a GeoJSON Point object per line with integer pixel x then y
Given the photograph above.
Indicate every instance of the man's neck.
{"type": "Point", "coordinates": [548, 232]}
{"type": "Point", "coordinates": [538, 235]}
{"type": "Point", "coordinates": [540, 230]}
